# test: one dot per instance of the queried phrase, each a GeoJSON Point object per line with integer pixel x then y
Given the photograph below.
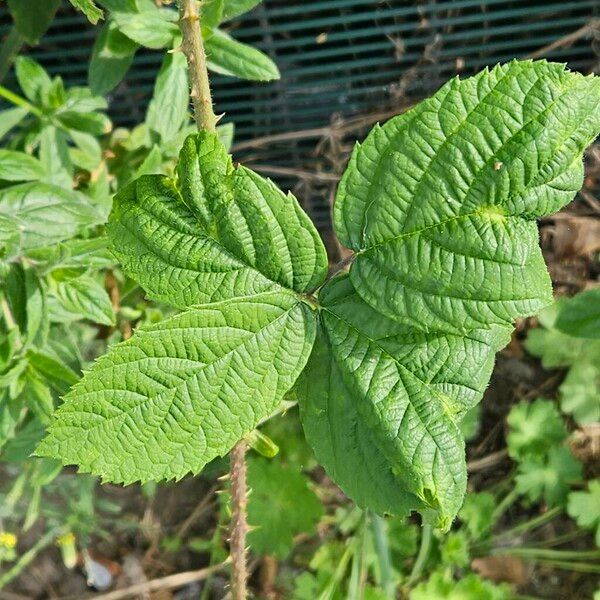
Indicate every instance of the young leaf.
{"type": "Point", "coordinates": [168, 109]}
{"type": "Point", "coordinates": [94, 123]}
{"type": "Point", "coordinates": [584, 507]}
{"type": "Point", "coordinates": [477, 514]}
{"type": "Point", "coordinates": [26, 298]}
{"type": "Point", "coordinates": [440, 203]}
{"type": "Point", "coordinates": [230, 57]}
{"type": "Point", "coordinates": [280, 506]}
{"type": "Point", "coordinates": [154, 28]}
{"type": "Point", "coordinates": [184, 391]}
{"type": "Point", "coordinates": [112, 56]}
{"type": "Point", "coordinates": [548, 478]}
{"type": "Point", "coordinates": [212, 12]}
{"type": "Point", "coordinates": [470, 587]}
{"type": "Point", "coordinates": [580, 391]}
{"type": "Point", "coordinates": [45, 214]}
{"type": "Point", "coordinates": [11, 118]}
{"type": "Point", "coordinates": [220, 232]}
{"type": "Point", "coordinates": [381, 403]}
{"type": "Point", "coordinates": [534, 428]}
{"type": "Point", "coordinates": [89, 9]}
{"type": "Point", "coordinates": [580, 316]}
{"type": "Point", "coordinates": [33, 17]}
{"type": "Point", "coordinates": [234, 8]}
{"type": "Point", "coordinates": [85, 298]}
{"type": "Point", "coordinates": [18, 166]}
{"type": "Point", "coordinates": [54, 156]}
{"type": "Point", "coordinates": [32, 78]}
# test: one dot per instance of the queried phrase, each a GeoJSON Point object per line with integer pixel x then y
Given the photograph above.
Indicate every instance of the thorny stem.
{"type": "Point", "coordinates": [239, 527]}
{"type": "Point", "coordinates": [206, 120]}
{"type": "Point", "coordinates": [193, 49]}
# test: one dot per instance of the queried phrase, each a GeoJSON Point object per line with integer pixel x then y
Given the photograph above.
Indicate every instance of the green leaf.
{"type": "Point", "coordinates": [33, 17]}
{"type": "Point", "coordinates": [88, 153]}
{"type": "Point", "coordinates": [26, 298]}
{"type": "Point", "coordinates": [11, 118]}
{"type": "Point", "coordinates": [440, 203]}
{"type": "Point", "coordinates": [54, 156]}
{"type": "Point", "coordinates": [548, 478]}
{"type": "Point", "coordinates": [94, 123]}
{"type": "Point", "coordinates": [18, 166]}
{"type": "Point", "coordinates": [89, 9]}
{"type": "Point", "coordinates": [45, 214]}
{"type": "Point", "coordinates": [32, 78]}
{"type": "Point", "coordinates": [225, 232]}
{"type": "Point", "coordinates": [584, 507]}
{"type": "Point", "coordinates": [281, 505]}
{"type": "Point", "coordinates": [168, 109]}
{"type": "Point", "coordinates": [234, 8]}
{"type": "Point", "coordinates": [580, 316]}
{"type": "Point", "coordinates": [183, 391]}
{"type": "Point", "coordinates": [580, 391]}
{"type": "Point", "coordinates": [85, 298]}
{"type": "Point", "coordinates": [112, 56]}
{"type": "Point", "coordinates": [150, 28]}
{"type": "Point", "coordinates": [534, 428]}
{"type": "Point", "coordinates": [59, 375]}
{"type": "Point", "coordinates": [230, 57]}
{"type": "Point", "coordinates": [381, 404]}
{"type": "Point", "coordinates": [152, 164]}
{"type": "Point", "coordinates": [471, 587]}
{"type": "Point", "coordinates": [477, 514]}
{"type": "Point", "coordinates": [454, 550]}
{"type": "Point", "coordinates": [557, 349]}
{"type": "Point", "coordinates": [212, 12]}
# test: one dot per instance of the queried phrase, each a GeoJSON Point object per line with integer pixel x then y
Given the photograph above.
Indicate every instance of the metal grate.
{"type": "Point", "coordinates": [340, 59]}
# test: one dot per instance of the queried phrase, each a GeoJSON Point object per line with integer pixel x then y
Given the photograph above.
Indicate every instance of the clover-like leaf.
{"type": "Point", "coordinates": [584, 507]}
{"type": "Point", "coordinates": [280, 506]}
{"type": "Point", "coordinates": [534, 428]}
{"type": "Point", "coordinates": [183, 391]}
{"type": "Point", "coordinates": [440, 203]}
{"type": "Point", "coordinates": [381, 403]}
{"type": "Point", "coordinates": [548, 478]}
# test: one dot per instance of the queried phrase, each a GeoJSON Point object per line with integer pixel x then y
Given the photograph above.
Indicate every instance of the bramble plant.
{"type": "Point", "coordinates": [385, 355]}
{"type": "Point", "coordinates": [439, 207]}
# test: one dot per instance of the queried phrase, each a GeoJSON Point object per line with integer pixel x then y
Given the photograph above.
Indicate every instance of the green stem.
{"type": "Point", "coordinates": [382, 549]}
{"type": "Point", "coordinates": [358, 572]}
{"type": "Point", "coordinates": [529, 525]}
{"type": "Point", "coordinates": [508, 500]}
{"type": "Point", "coordinates": [548, 553]}
{"type": "Point", "coordinates": [27, 557]}
{"type": "Point", "coordinates": [19, 101]}
{"type": "Point", "coordinates": [10, 48]}
{"type": "Point", "coordinates": [571, 566]}
{"type": "Point", "coordinates": [426, 535]}
{"type": "Point", "coordinates": [193, 47]}
{"type": "Point", "coordinates": [338, 575]}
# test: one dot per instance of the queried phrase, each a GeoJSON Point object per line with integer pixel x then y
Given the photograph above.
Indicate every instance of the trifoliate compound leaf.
{"type": "Point", "coordinates": [183, 391]}
{"type": "Point", "coordinates": [281, 505]}
{"type": "Point", "coordinates": [440, 203]}
{"type": "Point", "coordinates": [381, 403]}
{"type": "Point", "coordinates": [534, 428]}
{"type": "Point", "coordinates": [580, 316]}
{"type": "Point", "coordinates": [548, 478]}
{"type": "Point", "coordinates": [584, 507]}
{"type": "Point", "coordinates": [580, 391]}
{"type": "Point", "coordinates": [217, 233]}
